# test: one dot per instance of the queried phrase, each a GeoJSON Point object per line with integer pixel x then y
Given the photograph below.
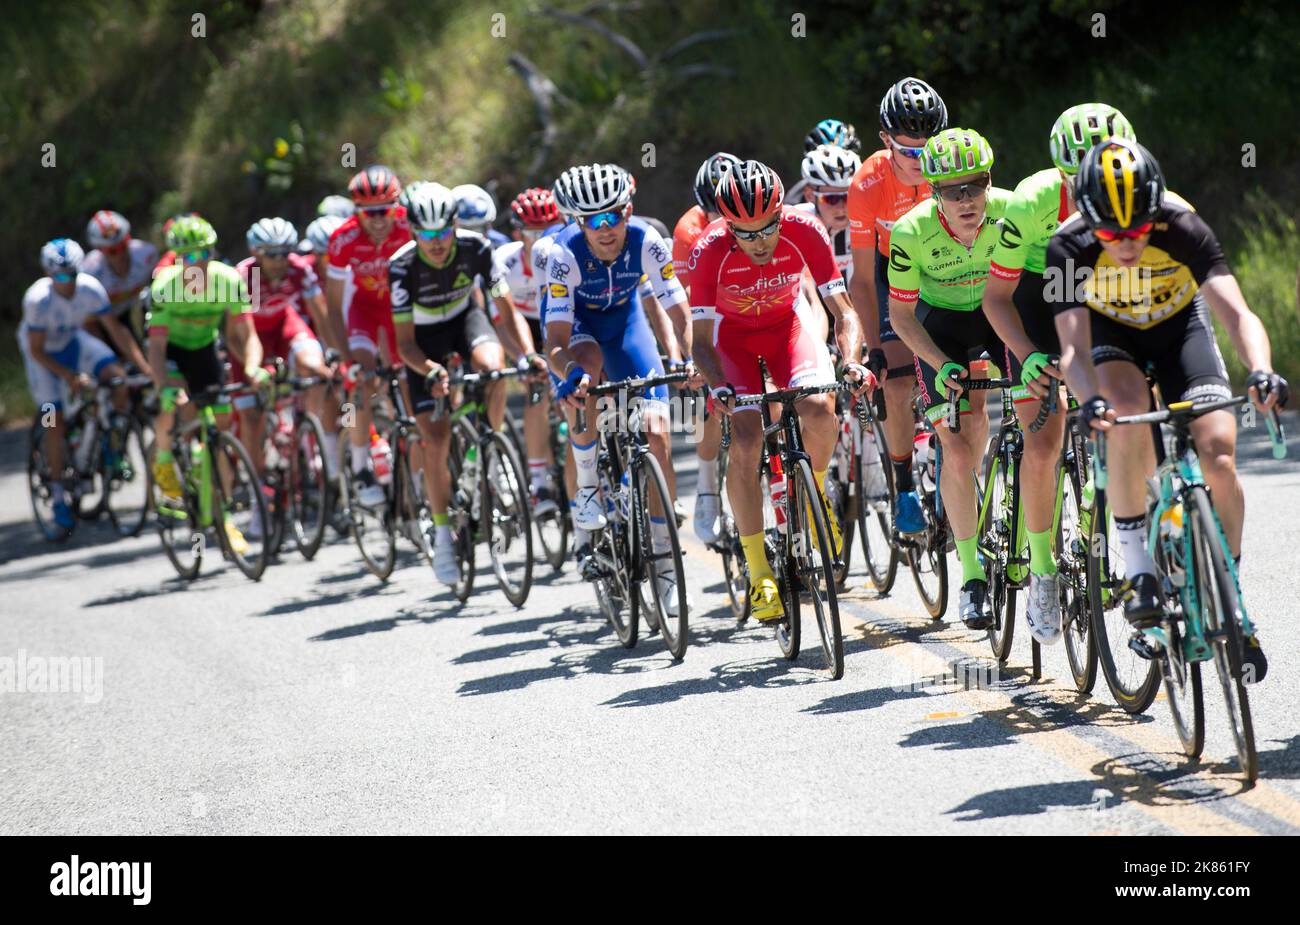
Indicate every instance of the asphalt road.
{"type": "Point", "coordinates": [323, 701]}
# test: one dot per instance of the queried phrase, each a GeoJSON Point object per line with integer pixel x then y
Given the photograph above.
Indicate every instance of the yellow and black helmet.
{"type": "Point", "coordinates": [1119, 185]}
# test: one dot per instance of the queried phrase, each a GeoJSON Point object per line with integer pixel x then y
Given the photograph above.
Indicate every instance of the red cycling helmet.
{"type": "Point", "coordinates": [535, 208]}
{"type": "Point", "coordinates": [374, 186]}
{"type": "Point", "coordinates": [748, 192]}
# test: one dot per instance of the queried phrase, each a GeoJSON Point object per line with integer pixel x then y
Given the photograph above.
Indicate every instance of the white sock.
{"type": "Point", "coordinates": [1133, 546]}
{"type": "Point", "coordinates": [706, 477]}
{"type": "Point", "coordinates": [659, 535]}
{"type": "Point", "coordinates": [441, 534]}
{"type": "Point", "coordinates": [359, 456]}
{"type": "Point", "coordinates": [584, 458]}
{"type": "Point", "coordinates": [537, 473]}
{"type": "Point", "coordinates": [581, 537]}
{"type": "Point", "coordinates": [331, 453]}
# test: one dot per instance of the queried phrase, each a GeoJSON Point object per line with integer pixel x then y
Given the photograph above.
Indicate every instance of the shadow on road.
{"type": "Point", "coordinates": [742, 674]}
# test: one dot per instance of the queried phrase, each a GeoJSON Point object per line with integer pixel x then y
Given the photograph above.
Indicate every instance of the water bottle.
{"type": "Point", "coordinates": [776, 488]}
{"type": "Point", "coordinates": [1085, 508]}
{"type": "Point", "coordinates": [85, 447]}
{"type": "Point", "coordinates": [876, 485]}
{"type": "Point", "coordinates": [1171, 536]}
{"type": "Point", "coordinates": [381, 458]}
{"type": "Point", "coordinates": [923, 454]}
{"type": "Point", "coordinates": [624, 506]}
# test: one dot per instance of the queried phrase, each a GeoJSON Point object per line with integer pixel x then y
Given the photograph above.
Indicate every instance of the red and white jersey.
{"type": "Point", "coordinates": [689, 228]}
{"type": "Point", "coordinates": [122, 290]}
{"type": "Point", "coordinates": [291, 291]}
{"type": "Point", "coordinates": [525, 283]}
{"type": "Point", "coordinates": [727, 286]}
{"type": "Point", "coordinates": [352, 250]}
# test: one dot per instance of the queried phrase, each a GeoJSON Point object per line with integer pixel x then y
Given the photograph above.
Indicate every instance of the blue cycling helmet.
{"type": "Point", "coordinates": [832, 132]}
{"type": "Point", "coordinates": [62, 255]}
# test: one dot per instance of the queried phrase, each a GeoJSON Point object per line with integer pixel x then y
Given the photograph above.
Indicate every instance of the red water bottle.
{"type": "Point", "coordinates": [776, 488]}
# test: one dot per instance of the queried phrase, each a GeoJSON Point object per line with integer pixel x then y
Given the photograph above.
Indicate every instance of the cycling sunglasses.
{"type": "Point", "coordinates": [905, 150]}
{"type": "Point", "coordinates": [377, 211]}
{"type": "Point", "coordinates": [765, 232]}
{"type": "Point", "coordinates": [611, 219]}
{"type": "Point", "coordinates": [203, 253]}
{"type": "Point", "coordinates": [275, 253]}
{"type": "Point", "coordinates": [434, 234]}
{"type": "Point", "coordinates": [970, 190]}
{"type": "Point", "coordinates": [117, 248]}
{"type": "Point", "coordinates": [63, 277]}
{"type": "Point", "coordinates": [1108, 236]}
{"type": "Point", "coordinates": [832, 199]}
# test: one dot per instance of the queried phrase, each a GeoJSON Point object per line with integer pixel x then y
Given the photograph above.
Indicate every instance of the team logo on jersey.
{"type": "Point", "coordinates": [1010, 234]}
{"type": "Point", "coordinates": [898, 259]}
{"type": "Point", "coordinates": [558, 291]}
{"type": "Point", "coordinates": [658, 253]}
{"type": "Point", "coordinates": [461, 280]}
{"type": "Point", "coordinates": [400, 296]}
{"type": "Point", "coordinates": [559, 269]}
{"type": "Point", "coordinates": [667, 271]}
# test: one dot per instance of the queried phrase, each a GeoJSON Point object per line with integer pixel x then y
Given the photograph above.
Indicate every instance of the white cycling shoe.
{"type": "Point", "coordinates": [708, 517]}
{"type": "Point", "coordinates": [445, 565]}
{"type": "Point", "coordinates": [668, 594]}
{"type": "Point", "coordinates": [588, 511]}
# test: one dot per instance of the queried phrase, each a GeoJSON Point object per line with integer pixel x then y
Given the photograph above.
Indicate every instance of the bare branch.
{"type": "Point", "coordinates": [709, 35]}
{"type": "Point", "coordinates": [616, 38]}
{"type": "Point", "coordinates": [544, 92]}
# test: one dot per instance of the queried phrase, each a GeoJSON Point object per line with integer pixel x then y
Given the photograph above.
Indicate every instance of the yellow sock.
{"type": "Point", "coordinates": [820, 479]}
{"type": "Point", "coordinates": [756, 557]}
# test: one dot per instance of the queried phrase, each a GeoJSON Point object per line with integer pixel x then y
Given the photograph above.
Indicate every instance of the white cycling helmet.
{"type": "Point", "coordinates": [430, 206]}
{"type": "Point", "coordinates": [317, 238]}
{"type": "Point", "coordinates": [269, 233]}
{"type": "Point", "coordinates": [107, 228]}
{"type": "Point", "coordinates": [831, 165]}
{"type": "Point", "coordinates": [477, 208]}
{"type": "Point", "coordinates": [62, 255]}
{"type": "Point", "coordinates": [593, 188]}
{"type": "Point", "coordinates": [336, 205]}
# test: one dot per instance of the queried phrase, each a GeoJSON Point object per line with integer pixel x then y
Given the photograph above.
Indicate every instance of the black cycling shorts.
{"type": "Point", "coordinates": [438, 341]}
{"type": "Point", "coordinates": [200, 368]}
{"type": "Point", "coordinates": [1179, 352]}
{"type": "Point", "coordinates": [1039, 323]}
{"type": "Point", "coordinates": [963, 336]}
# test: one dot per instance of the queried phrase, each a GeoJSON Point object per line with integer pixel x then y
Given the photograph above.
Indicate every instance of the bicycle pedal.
{"type": "Point", "coordinates": [1145, 647]}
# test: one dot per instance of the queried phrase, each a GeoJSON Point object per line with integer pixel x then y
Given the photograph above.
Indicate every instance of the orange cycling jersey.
{"type": "Point", "coordinates": [877, 199]}
{"type": "Point", "coordinates": [689, 228]}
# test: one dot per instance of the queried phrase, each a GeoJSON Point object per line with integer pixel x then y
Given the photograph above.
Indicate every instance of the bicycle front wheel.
{"type": "Point", "coordinates": [128, 480]}
{"type": "Point", "coordinates": [179, 527]}
{"type": "Point", "coordinates": [308, 485]}
{"type": "Point", "coordinates": [1219, 608]}
{"type": "Point", "coordinates": [506, 519]}
{"type": "Point", "coordinates": [660, 557]}
{"type": "Point", "coordinates": [373, 529]}
{"type": "Point", "coordinates": [811, 542]}
{"type": "Point", "coordinates": [241, 507]}
{"type": "Point", "coordinates": [1072, 572]}
{"type": "Point", "coordinates": [875, 488]}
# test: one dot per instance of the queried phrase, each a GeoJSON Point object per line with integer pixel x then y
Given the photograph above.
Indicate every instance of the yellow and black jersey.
{"type": "Point", "coordinates": [1182, 253]}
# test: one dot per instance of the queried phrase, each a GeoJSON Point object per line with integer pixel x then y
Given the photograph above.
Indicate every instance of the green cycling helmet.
{"type": "Point", "coordinates": [190, 233]}
{"type": "Point", "coordinates": [1080, 127]}
{"type": "Point", "coordinates": [955, 153]}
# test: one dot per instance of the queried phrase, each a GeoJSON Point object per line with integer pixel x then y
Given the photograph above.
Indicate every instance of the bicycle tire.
{"type": "Point", "coordinates": [1222, 627]}
{"type": "Point", "coordinates": [646, 472]}
{"type": "Point", "coordinates": [38, 485]}
{"type": "Point", "coordinates": [308, 430]}
{"type": "Point", "coordinates": [498, 509]}
{"type": "Point", "coordinates": [252, 567]}
{"type": "Point", "coordinates": [1103, 599]}
{"type": "Point", "coordinates": [365, 525]}
{"type": "Point", "coordinates": [181, 522]}
{"type": "Point", "coordinates": [1072, 572]}
{"type": "Point", "coordinates": [124, 525]}
{"type": "Point", "coordinates": [881, 576]}
{"type": "Point", "coordinates": [463, 527]}
{"type": "Point", "coordinates": [998, 536]}
{"type": "Point", "coordinates": [804, 499]}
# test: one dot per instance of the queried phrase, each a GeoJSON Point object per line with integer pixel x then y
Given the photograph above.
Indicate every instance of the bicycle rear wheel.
{"type": "Point", "coordinates": [1182, 682]}
{"type": "Point", "coordinates": [464, 529]}
{"type": "Point", "coordinates": [308, 485]}
{"type": "Point", "coordinates": [875, 518]}
{"type": "Point", "coordinates": [243, 504]}
{"type": "Point", "coordinates": [372, 529]}
{"type": "Point", "coordinates": [127, 476]}
{"type": "Point", "coordinates": [1220, 606]}
{"type": "Point", "coordinates": [1002, 525]}
{"type": "Point", "coordinates": [506, 518]}
{"type": "Point", "coordinates": [40, 484]}
{"type": "Point", "coordinates": [841, 501]}
{"type": "Point", "coordinates": [650, 491]}
{"type": "Point", "coordinates": [810, 540]}
{"type": "Point", "coordinates": [1133, 680]}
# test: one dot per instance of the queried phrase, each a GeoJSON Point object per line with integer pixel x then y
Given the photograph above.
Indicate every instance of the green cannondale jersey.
{"type": "Point", "coordinates": [192, 315]}
{"type": "Point", "coordinates": [925, 260]}
{"type": "Point", "coordinates": [1037, 208]}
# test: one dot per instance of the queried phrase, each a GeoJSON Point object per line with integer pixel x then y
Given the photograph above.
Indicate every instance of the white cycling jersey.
{"type": "Point", "coordinates": [122, 290]}
{"type": "Point", "coordinates": [840, 242]}
{"type": "Point", "coordinates": [60, 318]}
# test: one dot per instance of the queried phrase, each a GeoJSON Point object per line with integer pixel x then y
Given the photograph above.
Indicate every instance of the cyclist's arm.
{"type": "Point", "coordinates": [1243, 326]}
{"type": "Point", "coordinates": [320, 319]}
{"type": "Point", "coordinates": [36, 347]}
{"type": "Point", "coordinates": [667, 331]}
{"type": "Point", "coordinates": [407, 348]}
{"type": "Point", "coordinates": [862, 287]}
{"type": "Point", "coordinates": [514, 330]}
{"type": "Point", "coordinates": [243, 340]}
{"type": "Point", "coordinates": [157, 367]}
{"type": "Point", "coordinates": [848, 329]}
{"type": "Point", "coordinates": [705, 355]}
{"type": "Point", "coordinates": [902, 315]}
{"type": "Point", "coordinates": [334, 288]}
{"type": "Point", "coordinates": [1002, 315]}
{"type": "Point", "coordinates": [1073, 328]}
{"type": "Point", "coordinates": [122, 339]}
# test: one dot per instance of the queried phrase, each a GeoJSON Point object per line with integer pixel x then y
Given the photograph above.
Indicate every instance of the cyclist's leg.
{"type": "Point", "coordinates": [307, 358]}
{"type": "Point", "coordinates": [363, 346]}
{"type": "Point", "coordinates": [50, 393]}
{"type": "Point", "coordinates": [478, 342]}
{"type": "Point", "coordinates": [629, 352]}
{"type": "Point", "coordinates": [537, 440]}
{"type": "Point", "coordinates": [899, 424]}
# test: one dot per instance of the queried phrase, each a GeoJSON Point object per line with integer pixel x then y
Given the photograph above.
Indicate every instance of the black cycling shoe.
{"type": "Point", "coordinates": [974, 605]}
{"type": "Point", "coordinates": [1144, 606]}
{"type": "Point", "coordinates": [1254, 665]}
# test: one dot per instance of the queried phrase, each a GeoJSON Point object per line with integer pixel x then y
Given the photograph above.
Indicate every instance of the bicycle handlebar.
{"type": "Point", "coordinates": [970, 385]}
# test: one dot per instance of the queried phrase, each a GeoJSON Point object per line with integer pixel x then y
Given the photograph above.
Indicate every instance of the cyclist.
{"type": "Point", "coordinates": [168, 257]}
{"type": "Point", "coordinates": [477, 212]}
{"type": "Point", "coordinates": [886, 186]}
{"type": "Point", "coordinates": [747, 302]}
{"type": "Point", "coordinates": [358, 261]}
{"type": "Point", "coordinates": [594, 319]}
{"type": "Point", "coordinates": [1014, 304]}
{"type": "Point", "coordinates": [122, 264]}
{"type": "Point", "coordinates": [315, 244]}
{"type": "Point", "coordinates": [60, 356]}
{"type": "Point", "coordinates": [533, 213]}
{"type": "Point", "coordinates": [707, 520]}
{"type": "Point", "coordinates": [825, 132]}
{"type": "Point", "coordinates": [432, 278]}
{"type": "Point", "coordinates": [191, 303]}
{"type": "Point", "coordinates": [1154, 274]}
{"type": "Point", "coordinates": [828, 170]}
{"type": "Point", "coordinates": [335, 206]}
{"type": "Point", "coordinates": [938, 261]}
{"type": "Point", "coordinates": [282, 287]}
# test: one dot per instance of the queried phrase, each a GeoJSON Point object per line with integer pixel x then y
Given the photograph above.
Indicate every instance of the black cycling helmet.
{"type": "Point", "coordinates": [1119, 185]}
{"type": "Point", "coordinates": [911, 107]}
{"type": "Point", "coordinates": [707, 177]}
